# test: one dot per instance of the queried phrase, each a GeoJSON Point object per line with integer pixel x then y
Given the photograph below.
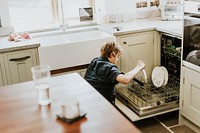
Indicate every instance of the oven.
{"type": "Point", "coordinates": [191, 43]}
{"type": "Point", "coordinates": [146, 99]}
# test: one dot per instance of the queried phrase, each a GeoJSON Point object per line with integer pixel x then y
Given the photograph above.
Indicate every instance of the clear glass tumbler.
{"type": "Point", "coordinates": [41, 76]}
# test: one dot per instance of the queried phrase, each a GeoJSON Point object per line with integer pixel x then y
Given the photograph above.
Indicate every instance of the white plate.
{"type": "Point", "coordinates": [190, 55]}
{"type": "Point", "coordinates": [165, 74]}
{"type": "Point", "coordinates": [192, 58]}
{"type": "Point", "coordinates": [158, 77]}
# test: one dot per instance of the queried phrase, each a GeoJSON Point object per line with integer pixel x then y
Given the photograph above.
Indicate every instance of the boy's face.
{"type": "Point", "coordinates": [114, 59]}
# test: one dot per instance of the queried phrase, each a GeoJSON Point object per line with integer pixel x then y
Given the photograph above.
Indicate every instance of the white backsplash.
{"type": "Point", "coordinates": [114, 11]}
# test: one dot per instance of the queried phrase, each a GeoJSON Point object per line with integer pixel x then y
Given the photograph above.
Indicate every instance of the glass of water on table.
{"type": "Point", "coordinates": [41, 77]}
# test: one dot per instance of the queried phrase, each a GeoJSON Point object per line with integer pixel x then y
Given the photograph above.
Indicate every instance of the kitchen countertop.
{"type": "Point", "coordinates": [170, 27]}
{"type": "Point", "coordinates": [20, 112]}
{"type": "Point", "coordinates": [7, 46]}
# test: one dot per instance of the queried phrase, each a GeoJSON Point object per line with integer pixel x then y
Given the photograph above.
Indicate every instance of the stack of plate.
{"type": "Point", "coordinates": [159, 76]}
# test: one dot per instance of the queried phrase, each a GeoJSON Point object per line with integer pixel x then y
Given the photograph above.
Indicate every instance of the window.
{"type": "Point", "coordinates": [71, 10]}
{"type": "Point", "coordinates": [36, 15]}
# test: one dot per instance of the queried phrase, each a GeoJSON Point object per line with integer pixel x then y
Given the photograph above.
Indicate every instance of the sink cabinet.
{"type": "Point", "coordinates": [190, 92]}
{"type": "Point", "coordinates": [139, 46]}
{"type": "Point", "coordinates": [18, 66]}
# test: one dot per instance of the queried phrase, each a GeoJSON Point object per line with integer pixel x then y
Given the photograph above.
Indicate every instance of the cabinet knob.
{"type": "Point", "coordinates": [124, 42]}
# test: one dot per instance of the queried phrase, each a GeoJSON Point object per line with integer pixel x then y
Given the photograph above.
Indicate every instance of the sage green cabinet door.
{"type": "Point", "coordinates": [18, 65]}
{"type": "Point", "coordinates": [139, 46]}
{"type": "Point", "coordinates": [3, 80]}
{"type": "Point", "coordinates": [191, 95]}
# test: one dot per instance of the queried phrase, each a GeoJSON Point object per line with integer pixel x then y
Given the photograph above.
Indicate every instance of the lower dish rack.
{"type": "Point", "coordinates": [148, 99]}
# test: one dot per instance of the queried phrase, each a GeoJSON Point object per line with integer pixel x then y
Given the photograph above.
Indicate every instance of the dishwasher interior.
{"type": "Point", "coordinates": [146, 99]}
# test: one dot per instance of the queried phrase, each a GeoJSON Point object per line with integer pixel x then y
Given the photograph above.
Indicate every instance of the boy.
{"type": "Point", "coordinates": [103, 74]}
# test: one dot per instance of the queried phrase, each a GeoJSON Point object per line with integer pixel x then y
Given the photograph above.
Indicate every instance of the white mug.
{"type": "Point", "coordinates": [70, 108]}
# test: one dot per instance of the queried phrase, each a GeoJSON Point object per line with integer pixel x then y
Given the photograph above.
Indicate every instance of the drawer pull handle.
{"type": "Point", "coordinates": [124, 42]}
{"type": "Point", "coordinates": [20, 59]}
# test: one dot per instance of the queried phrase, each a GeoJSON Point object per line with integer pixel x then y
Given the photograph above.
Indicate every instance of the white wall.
{"type": "Point", "coordinates": [119, 6]}
{"type": "Point", "coordinates": [112, 8]}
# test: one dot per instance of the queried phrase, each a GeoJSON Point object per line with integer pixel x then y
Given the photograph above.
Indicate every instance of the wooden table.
{"type": "Point", "coordinates": [20, 113]}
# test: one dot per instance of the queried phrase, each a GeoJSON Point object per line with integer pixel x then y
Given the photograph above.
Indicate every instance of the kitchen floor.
{"type": "Point", "coordinates": [165, 123]}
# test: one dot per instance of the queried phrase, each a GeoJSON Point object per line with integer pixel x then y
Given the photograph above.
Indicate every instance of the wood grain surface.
{"type": "Point", "coordinates": [20, 112]}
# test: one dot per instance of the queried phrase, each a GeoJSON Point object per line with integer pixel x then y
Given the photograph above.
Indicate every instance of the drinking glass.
{"type": "Point", "coordinates": [41, 76]}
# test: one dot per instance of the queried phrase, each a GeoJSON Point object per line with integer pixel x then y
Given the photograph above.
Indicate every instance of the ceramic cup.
{"type": "Point", "coordinates": [70, 107]}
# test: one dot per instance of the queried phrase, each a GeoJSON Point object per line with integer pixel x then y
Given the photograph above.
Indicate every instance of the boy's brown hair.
{"type": "Point", "coordinates": [109, 48]}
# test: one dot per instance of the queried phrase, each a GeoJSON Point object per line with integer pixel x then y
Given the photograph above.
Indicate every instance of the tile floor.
{"type": "Point", "coordinates": [165, 123]}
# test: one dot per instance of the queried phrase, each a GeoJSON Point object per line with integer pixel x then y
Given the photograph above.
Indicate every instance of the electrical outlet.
{"type": "Point", "coordinates": [141, 4]}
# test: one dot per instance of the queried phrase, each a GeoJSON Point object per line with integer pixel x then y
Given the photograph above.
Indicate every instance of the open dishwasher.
{"type": "Point", "coordinates": [144, 98]}
{"type": "Point", "coordinates": [147, 99]}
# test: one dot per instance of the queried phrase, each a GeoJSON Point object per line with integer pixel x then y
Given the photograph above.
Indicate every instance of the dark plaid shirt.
{"type": "Point", "coordinates": [101, 74]}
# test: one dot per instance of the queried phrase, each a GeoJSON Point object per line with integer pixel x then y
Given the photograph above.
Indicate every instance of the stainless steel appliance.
{"type": "Point", "coordinates": [191, 44]}
{"type": "Point", "coordinates": [146, 99]}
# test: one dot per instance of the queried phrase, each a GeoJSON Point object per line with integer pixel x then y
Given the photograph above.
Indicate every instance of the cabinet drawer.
{"type": "Point", "coordinates": [18, 65]}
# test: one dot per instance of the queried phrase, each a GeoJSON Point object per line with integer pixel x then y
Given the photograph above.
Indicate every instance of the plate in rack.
{"type": "Point", "coordinates": [166, 75]}
{"type": "Point", "coordinates": [158, 77]}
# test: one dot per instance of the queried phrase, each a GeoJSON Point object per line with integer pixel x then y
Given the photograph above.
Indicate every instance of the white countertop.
{"type": "Point", "coordinates": [7, 46]}
{"type": "Point", "coordinates": [170, 27]}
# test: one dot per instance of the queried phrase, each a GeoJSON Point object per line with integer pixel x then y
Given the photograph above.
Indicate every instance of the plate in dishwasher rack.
{"type": "Point", "coordinates": [158, 77]}
{"type": "Point", "coordinates": [166, 75]}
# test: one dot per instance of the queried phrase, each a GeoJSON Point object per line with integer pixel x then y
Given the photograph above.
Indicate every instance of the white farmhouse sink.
{"type": "Point", "coordinates": [72, 49]}
{"type": "Point", "coordinates": [87, 35]}
{"type": "Point", "coordinates": [47, 41]}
